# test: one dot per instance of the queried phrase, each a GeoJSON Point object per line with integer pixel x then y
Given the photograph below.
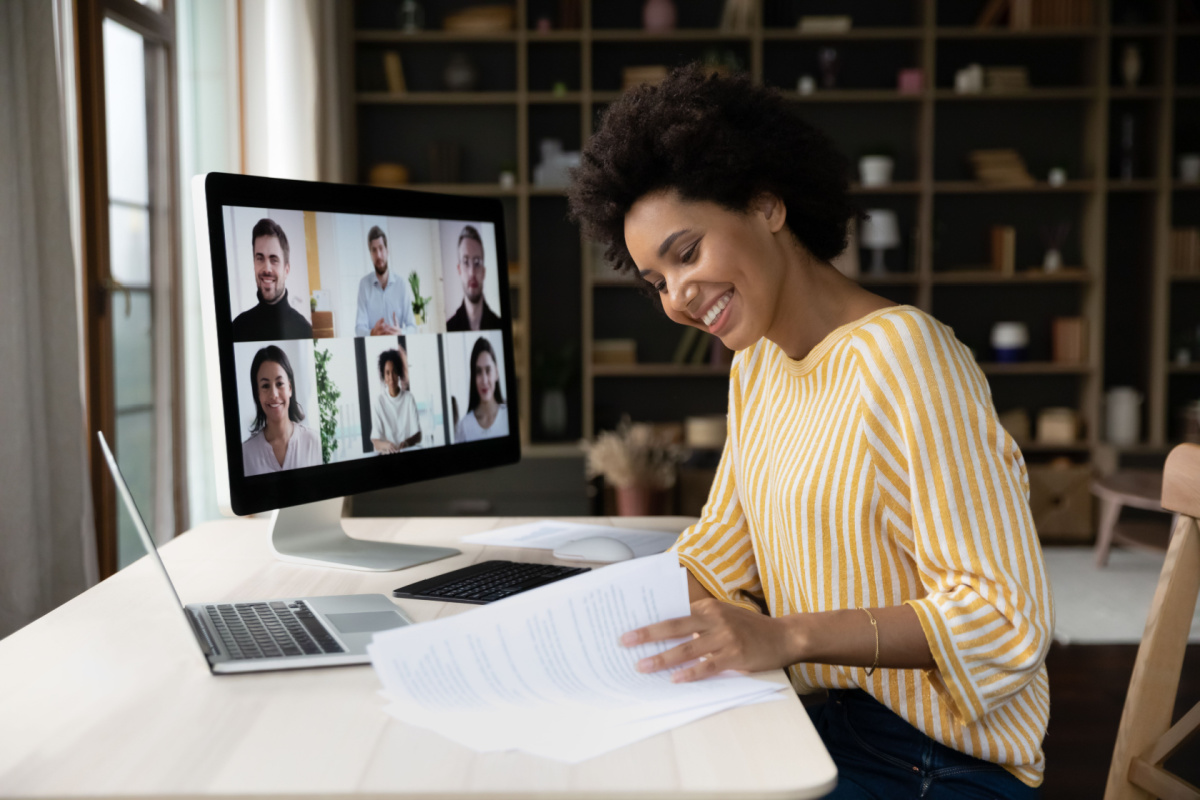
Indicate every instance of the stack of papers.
{"type": "Point", "coordinates": [544, 672]}
{"type": "Point", "coordinates": [548, 535]}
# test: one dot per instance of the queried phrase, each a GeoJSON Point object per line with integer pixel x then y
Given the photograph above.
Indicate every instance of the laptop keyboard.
{"type": "Point", "coordinates": [270, 630]}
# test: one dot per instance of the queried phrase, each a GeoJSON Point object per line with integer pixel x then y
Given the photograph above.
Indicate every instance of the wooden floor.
{"type": "Point", "coordinates": [1087, 693]}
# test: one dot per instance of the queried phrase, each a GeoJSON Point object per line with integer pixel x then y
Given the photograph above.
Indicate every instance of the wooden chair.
{"type": "Point", "coordinates": [1146, 737]}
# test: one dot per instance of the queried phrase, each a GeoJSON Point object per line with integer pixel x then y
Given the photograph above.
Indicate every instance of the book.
{"type": "Point", "coordinates": [1068, 340]}
{"type": "Point", "coordinates": [393, 71]}
{"type": "Point", "coordinates": [1004, 249]}
{"type": "Point", "coordinates": [833, 23]}
{"type": "Point", "coordinates": [687, 343]}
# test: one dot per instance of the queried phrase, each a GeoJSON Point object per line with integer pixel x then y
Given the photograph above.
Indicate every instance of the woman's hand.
{"type": "Point", "coordinates": [726, 637]}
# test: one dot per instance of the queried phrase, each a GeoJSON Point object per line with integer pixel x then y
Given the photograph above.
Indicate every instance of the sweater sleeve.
{"type": "Point", "coordinates": [957, 489]}
{"type": "Point", "coordinates": [718, 550]}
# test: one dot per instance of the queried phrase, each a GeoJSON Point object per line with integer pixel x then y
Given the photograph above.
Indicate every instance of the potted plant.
{"type": "Point", "coordinates": [418, 303]}
{"type": "Point", "coordinates": [875, 166]}
{"type": "Point", "coordinates": [327, 397]}
{"type": "Point", "coordinates": [640, 464]}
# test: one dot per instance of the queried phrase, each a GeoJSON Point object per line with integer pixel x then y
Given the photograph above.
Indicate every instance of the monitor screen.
{"type": "Point", "coordinates": [361, 337]}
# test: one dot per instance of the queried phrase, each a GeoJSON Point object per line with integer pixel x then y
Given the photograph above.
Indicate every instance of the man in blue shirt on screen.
{"type": "Point", "coordinates": [384, 306]}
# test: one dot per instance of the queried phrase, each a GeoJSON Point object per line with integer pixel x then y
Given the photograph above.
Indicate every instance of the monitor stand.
{"type": "Point", "coordinates": [313, 534]}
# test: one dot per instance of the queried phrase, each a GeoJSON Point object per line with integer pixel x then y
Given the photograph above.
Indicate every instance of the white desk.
{"type": "Point", "coordinates": [109, 696]}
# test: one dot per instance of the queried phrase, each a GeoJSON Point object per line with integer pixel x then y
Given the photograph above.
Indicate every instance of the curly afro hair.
{"type": "Point", "coordinates": [716, 139]}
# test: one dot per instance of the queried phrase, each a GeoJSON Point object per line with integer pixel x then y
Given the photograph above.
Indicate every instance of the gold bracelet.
{"type": "Point", "coordinates": [875, 626]}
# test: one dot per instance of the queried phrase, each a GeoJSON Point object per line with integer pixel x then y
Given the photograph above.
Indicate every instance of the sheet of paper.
{"type": "Point", "coordinates": [546, 666]}
{"type": "Point", "coordinates": [549, 534]}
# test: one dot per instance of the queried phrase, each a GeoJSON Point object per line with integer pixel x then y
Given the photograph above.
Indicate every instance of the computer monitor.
{"type": "Point", "coordinates": [356, 338]}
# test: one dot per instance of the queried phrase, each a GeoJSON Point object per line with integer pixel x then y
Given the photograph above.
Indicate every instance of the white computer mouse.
{"type": "Point", "coordinates": [599, 549]}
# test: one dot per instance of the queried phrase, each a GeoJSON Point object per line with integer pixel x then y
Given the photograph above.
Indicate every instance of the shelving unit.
{"type": "Point", "coordinates": [1068, 116]}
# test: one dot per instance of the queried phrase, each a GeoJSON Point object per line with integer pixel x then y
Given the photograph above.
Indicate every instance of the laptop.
{"type": "Point", "coordinates": [264, 635]}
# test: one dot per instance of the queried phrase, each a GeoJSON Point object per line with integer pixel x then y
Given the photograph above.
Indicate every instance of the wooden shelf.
{"type": "Point", "coordinates": [1040, 187]}
{"type": "Point", "coordinates": [437, 98]}
{"type": "Point", "coordinates": [863, 34]}
{"type": "Point", "coordinates": [1136, 93]}
{"type": "Point", "coordinates": [554, 449]}
{"type": "Point", "coordinates": [971, 32]}
{"type": "Point", "coordinates": [766, 51]}
{"type": "Point", "coordinates": [896, 187]}
{"type": "Point", "coordinates": [1033, 368]}
{"type": "Point", "coordinates": [636, 35]}
{"type": "Point", "coordinates": [1026, 276]}
{"type": "Point", "coordinates": [852, 96]}
{"type": "Point", "coordinates": [1184, 369]}
{"type": "Point", "coordinates": [1032, 93]}
{"type": "Point", "coordinates": [431, 37]}
{"type": "Point", "coordinates": [659, 371]}
{"type": "Point", "coordinates": [548, 98]}
{"type": "Point", "coordinates": [1135, 185]}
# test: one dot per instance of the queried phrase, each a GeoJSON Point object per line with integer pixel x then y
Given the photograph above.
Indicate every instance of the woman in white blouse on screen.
{"type": "Point", "coordinates": [487, 415]}
{"type": "Point", "coordinates": [277, 439]}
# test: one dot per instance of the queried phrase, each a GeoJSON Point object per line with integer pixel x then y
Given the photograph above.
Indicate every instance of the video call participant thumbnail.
{"type": "Point", "coordinates": [278, 441]}
{"type": "Point", "coordinates": [384, 305]}
{"type": "Point", "coordinates": [395, 422]}
{"type": "Point", "coordinates": [273, 317]}
{"type": "Point", "coordinates": [473, 314]}
{"type": "Point", "coordinates": [487, 415]}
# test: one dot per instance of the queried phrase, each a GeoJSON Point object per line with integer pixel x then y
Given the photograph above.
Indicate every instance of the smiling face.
{"type": "Point", "coordinates": [270, 268]}
{"type": "Point", "coordinates": [471, 269]}
{"type": "Point", "coordinates": [485, 376]}
{"type": "Point", "coordinates": [379, 255]}
{"type": "Point", "coordinates": [391, 378]}
{"type": "Point", "coordinates": [714, 269]}
{"type": "Point", "coordinates": [274, 392]}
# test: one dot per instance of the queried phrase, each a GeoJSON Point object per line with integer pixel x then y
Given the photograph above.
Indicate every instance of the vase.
{"type": "Point", "coordinates": [554, 413]}
{"type": "Point", "coordinates": [640, 501]}
{"type": "Point", "coordinates": [875, 170]}
{"type": "Point", "coordinates": [1131, 65]}
{"type": "Point", "coordinates": [460, 74]}
{"type": "Point", "coordinates": [658, 16]}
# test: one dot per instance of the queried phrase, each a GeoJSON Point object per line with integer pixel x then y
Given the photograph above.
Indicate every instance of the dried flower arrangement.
{"type": "Point", "coordinates": [635, 454]}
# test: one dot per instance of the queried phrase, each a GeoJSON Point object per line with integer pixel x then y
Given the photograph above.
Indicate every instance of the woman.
{"type": "Point", "coordinates": [277, 439]}
{"type": "Point", "coordinates": [395, 424]}
{"type": "Point", "coordinates": [867, 498]}
{"type": "Point", "coordinates": [486, 416]}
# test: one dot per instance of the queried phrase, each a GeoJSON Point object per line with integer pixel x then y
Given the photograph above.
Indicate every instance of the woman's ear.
{"type": "Point", "coordinates": [772, 209]}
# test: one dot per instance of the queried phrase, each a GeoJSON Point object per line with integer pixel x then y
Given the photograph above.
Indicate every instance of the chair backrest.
{"type": "Point", "coordinates": [1146, 737]}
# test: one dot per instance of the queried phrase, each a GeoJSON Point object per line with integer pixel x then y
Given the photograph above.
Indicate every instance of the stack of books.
{"type": "Point", "coordinates": [1006, 79]}
{"type": "Point", "coordinates": [1185, 251]}
{"type": "Point", "coordinates": [1000, 167]}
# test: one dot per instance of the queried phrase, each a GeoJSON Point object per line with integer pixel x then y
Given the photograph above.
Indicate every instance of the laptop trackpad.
{"type": "Point", "coordinates": [366, 621]}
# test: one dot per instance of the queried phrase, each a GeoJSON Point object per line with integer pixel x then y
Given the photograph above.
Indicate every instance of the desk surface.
{"type": "Point", "coordinates": [108, 695]}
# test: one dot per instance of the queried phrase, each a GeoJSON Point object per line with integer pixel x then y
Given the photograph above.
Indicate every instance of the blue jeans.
{"type": "Point", "coordinates": [879, 755]}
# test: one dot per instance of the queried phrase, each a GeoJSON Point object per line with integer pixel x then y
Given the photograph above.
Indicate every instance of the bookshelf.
{"type": "Point", "coordinates": [553, 84]}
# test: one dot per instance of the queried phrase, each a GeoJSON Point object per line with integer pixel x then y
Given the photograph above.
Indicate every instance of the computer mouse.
{"type": "Point", "coordinates": [599, 549]}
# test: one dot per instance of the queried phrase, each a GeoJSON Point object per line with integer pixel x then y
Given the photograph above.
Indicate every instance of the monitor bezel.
{"type": "Point", "coordinates": [254, 494]}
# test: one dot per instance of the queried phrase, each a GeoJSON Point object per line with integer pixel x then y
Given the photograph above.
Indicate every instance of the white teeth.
{"type": "Point", "coordinates": [717, 308]}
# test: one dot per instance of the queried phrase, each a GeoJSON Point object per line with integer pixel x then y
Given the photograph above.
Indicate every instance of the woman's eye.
{"type": "Point", "coordinates": [660, 286]}
{"type": "Point", "coordinates": [689, 255]}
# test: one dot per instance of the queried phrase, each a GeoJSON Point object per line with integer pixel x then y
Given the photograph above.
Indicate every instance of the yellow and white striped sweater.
{"type": "Point", "coordinates": [873, 473]}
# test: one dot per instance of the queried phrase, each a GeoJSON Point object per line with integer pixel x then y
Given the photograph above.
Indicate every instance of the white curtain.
{"type": "Point", "coordinates": [47, 537]}
{"type": "Point", "coordinates": [294, 68]}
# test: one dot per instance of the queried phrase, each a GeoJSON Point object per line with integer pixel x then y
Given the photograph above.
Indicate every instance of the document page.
{"type": "Point", "coordinates": [548, 534]}
{"type": "Point", "coordinates": [532, 669]}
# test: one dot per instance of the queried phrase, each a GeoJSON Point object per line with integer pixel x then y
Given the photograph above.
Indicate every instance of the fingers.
{"type": "Point", "coordinates": [697, 672]}
{"type": "Point", "coordinates": [681, 654]}
{"type": "Point", "coordinates": [668, 629]}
